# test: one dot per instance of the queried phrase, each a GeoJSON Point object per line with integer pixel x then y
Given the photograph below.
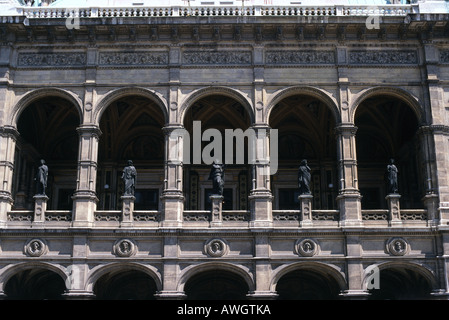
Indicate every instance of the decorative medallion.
{"type": "Point", "coordinates": [124, 248]}
{"type": "Point", "coordinates": [306, 247]}
{"type": "Point", "coordinates": [216, 248]}
{"type": "Point", "coordinates": [397, 246]}
{"type": "Point", "coordinates": [35, 248]}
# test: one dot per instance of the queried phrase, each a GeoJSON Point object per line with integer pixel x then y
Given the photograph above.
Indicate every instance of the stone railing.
{"type": "Point", "coordinates": [384, 215]}
{"type": "Point", "coordinates": [217, 11]}
{"type": "Point", "coordinates": [50, 216]}
{"type": "Point", "coordinates": [294, 215]}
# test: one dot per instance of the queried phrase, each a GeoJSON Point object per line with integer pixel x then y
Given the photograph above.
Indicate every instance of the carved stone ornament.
{"type": "Point", "coordinates": [35, 248]}
{"type": "Point", "coordinates": [217, 57]}
{"type": "Point", "coordinates": [306, 247]}
{"type": "Point", "coordinates": [133, 58]}
{"type": "Point", "coordinates": [397, 246]}
{"type": "Point", "coordinates": [300, 57]}
{"type": "Point", "coordinates": [383, 57]}
{"type": "Point", "coordinates": [124, 248]}
{"type": "Point", "coordinates": [53, 59]}
{"type": "Point", "coordinates": [216, 248]}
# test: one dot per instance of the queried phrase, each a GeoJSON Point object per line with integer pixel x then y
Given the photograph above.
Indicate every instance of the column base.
{"type": "Point", "coordinates": [79, 295]}
{"type": "Point", "coordinates": [262, 295]}
{"type": "Point", "coordinates": [170, 295]}
{"type": "Point", "coordinates": [350, 207]}
{"type": "Point", "coordinates": [355, 295]}
{"type": "Point", "coordinates": [173, 209]}
{"type": "Point", "coordinates": [84, 206]}
{"type": "Point", "coordinates": [261, 203]}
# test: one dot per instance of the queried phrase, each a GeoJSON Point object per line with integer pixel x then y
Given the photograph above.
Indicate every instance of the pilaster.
{"type": "Point", "coordinates": [84, 198]}
{"type": "Point", "coordinates": [8, 139]}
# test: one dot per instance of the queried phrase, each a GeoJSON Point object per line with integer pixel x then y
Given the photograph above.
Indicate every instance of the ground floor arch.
{"type": "Point", "coordinates": [125, 283]}
{"type": "Point", "coordinates": [403, 281]}
{"type": "Point", "coordinates": [309, 281]}
{"type": "Point", "coordinates": [34, 282]}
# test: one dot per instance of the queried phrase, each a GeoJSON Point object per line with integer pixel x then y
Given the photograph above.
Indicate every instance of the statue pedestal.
{"type": "Point", "coordinates": [305, 206]}
{"type": "Point", "coordinates": [216, 210]}
{"type": "Point", "coordinates": [394, 208]}
{"type": "Point", "coordinates": [127, 210]}
{"type": "Point", "coordinates": [40, 206]}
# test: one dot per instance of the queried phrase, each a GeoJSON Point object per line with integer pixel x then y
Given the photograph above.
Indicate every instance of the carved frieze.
{"type": "Point", "coordinates": [383, 57]}
{"type": "Point", "coordinates": [53, 59]}
{"type": "Point", "coordinates": [133, 58]}
{"type": "Point", "coordinates": [444, 56]}
{"type": "Point", "coordinates": [300, 57]}
{"type": "Point", "coordinates": [217, 57]}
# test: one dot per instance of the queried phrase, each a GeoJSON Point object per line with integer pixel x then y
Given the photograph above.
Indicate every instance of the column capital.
{"type": "Point", "coordinates": [346, 128]}
{"type": "Point", "coordinates": [167, 130]}
{"type": "Point", "coordinates": [89, 129]}
{"type": "Point", "coordinates": [9, 131]}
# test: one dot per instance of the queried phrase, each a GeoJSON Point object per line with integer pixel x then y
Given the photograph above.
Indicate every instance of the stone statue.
{"type": "Point", "coordinates": [392, 177]}
{"type": "Point", "coordinates": [217, 177]}
{"type": "Point", "coordinates": [129, 179]}
{"type": "Point", "coordinates": [304, 178]}
{"type": "Point", "coordinates": [41, 178]}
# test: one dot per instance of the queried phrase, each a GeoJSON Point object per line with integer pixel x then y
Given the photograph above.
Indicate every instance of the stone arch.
{"type": "Point", "coordinates": [194, 270]}
{"type": "Point", "coordinates": [319, 267]}
{"type": "Point", "coordinates": [302, 90]}
{"type": "Point", "coordinates": [422, 270]}
{"type": "Point", "coordinates": [37, 94]}
{"type": "Point", "coordinates": [204, 92]}
{"type": "Point", "coordinates": [129, 91]}
{"type": "Point", "coordinates": [395, 92]}
{"type": "Point", "coordinates": [102, 270]}
{"type": "Point", "coordinates": [14, 269]}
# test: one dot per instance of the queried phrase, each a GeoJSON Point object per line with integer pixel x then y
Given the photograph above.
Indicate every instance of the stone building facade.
{"type": "Point", "coordinates": [347, 87]}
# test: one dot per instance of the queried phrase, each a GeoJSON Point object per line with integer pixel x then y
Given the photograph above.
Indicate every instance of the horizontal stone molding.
{"type": "Point", "coordinates": [300, 57]}
{"type": "Point", "coordinates": [383, 57]}
{"type": "Point", "coordinates": [52, 59]}
{"type": "Point", "coordinates": [133, 58]}
{"type": "Point", "coordinates": [217, 57]}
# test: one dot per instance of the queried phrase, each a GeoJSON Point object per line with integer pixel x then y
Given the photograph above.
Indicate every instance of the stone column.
{"type": "Point", "coordinates": [171, 271]}
{"type": "Point", "coordinates": [77, 272]}
{"type": "Point", "coordinates": [349, 199]}
{"type": "Point", "coordinates": [172, 197]}
{"type": "Point", "coordinates": [40, 206]}
{"type": "Point", "coordinates": [8, 139]}
{"type": "Point", "coordinates": [260, 197]}
{"type": "Point", "coordinates": [427, 158]}
{"type": "Point", "coordinates": [355, 272]}
{"type": "Point", "coordinates": [85, 198]}
{"type": "Point", "coordinates": [216, 210]}
{"type": "Point", "coordinates": [263, 270]}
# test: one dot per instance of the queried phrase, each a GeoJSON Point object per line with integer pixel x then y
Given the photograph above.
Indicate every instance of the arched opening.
{"type": "Point", "coordinates": [216, 284]}
{"type": "Point", "coordinates": [220, 114]}
{"type": "Point", "coordinates": [307, 284]}
{"type": "Point", "coordinates": [387, 129]}
{"type": "Point", "coordinates": [401, 283]}
{"type": "Point", "coordinates": [125, 285]}
{"type": "Point", "coordinates": [47, 130]}
{"type": "Point", "coordinates": [305, 127]}
{"type": "Point", "coordinates": [131, 129]}
{"type": "Point", "coordinates": [35, 284]}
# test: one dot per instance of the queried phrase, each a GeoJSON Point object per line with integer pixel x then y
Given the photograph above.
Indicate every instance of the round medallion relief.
{"type": "Point", "coordinates": [216, 248]}
{"type": "Point", "coordinates": [397, 246]}
{"type": "Point", "coordinates": [306, 247]}
{"type": "Point", "coordinates": [124, 248]}
{"type": "Point", "coordinates": [35, 248]}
